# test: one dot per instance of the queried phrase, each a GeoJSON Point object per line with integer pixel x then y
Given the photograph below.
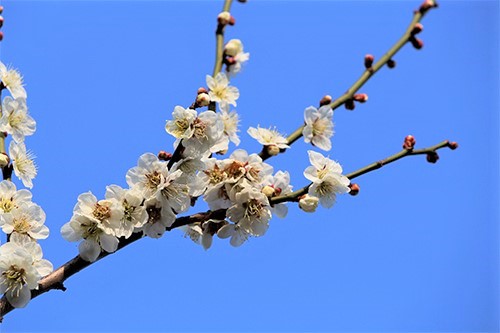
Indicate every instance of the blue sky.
{"type": "Point", "coordinates": [416, 250]}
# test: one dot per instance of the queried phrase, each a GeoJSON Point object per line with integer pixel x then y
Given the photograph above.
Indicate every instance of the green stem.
{"type": "Point", "coordinates": [219, 39]}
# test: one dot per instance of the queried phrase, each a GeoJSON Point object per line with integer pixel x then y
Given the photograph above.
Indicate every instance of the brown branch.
{"type": "Point", "coordinates": [55, 280]}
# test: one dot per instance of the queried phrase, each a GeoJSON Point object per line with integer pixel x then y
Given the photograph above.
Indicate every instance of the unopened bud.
{"type": "Point", "coordinates": [417, 28]}
{"type": "Point", "coordinates": [426, 5]}
{"type": "Point", "coordinates": [232, 20]}
{"type": "Point", "coordinates": [233, 47]}
{"type": "Point", "coordinates": [354, 189]}
{"type": "Point", "coordinates": [1, 9]}
{"type": "Point", "coordinates": [432, 157]}
{"type": "Point", "coordinates": [360, 98]}
{"type": "Point", "coordinates": [229, 61]}
{"type": "Point", "coordinates": [391, 63]}
{"type": "Point", "coordinates": [223, 18]}
{"type": "Point", "coordinates": [272, 150]}
{"type": "Point", "coordinates": [349, 104]}
{"type": "Point", "coordinates": [327, 99]}
{"type": "Point", "coordinates": [4, 160]}
{"type": "Point", "coordinates": [202, 99]}
{"type": "Point", "coordinates": [409, 142]}
{"type": "Point", "coordinates": [268, 191]}
{"type": "Point", "coordinates": [369, 60]}
{"type": "Point", "coordinates": [1, 21]}
{"type": "Point", "coordinates": [164, 156]}
{"type": "Point", "coordinates": [308, 203]}
{"type": "Point", "coordinates": [1, 36]}
{"type": "Point", "coordinates": [416, 42]}
{"type": "Point", "coordinates": [202, 90]}
{"type": "Point", "coordinates": [453, 145]}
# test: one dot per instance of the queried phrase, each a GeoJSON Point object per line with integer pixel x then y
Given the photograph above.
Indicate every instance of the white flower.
{"type": "Point", "coordinates": [238, 235]}
{"type": "Point", "coordinates": [327, 179]}
{"type": "Point", "coordinates": [268, 137]}
{"type": "Point", "coordinates": [15, 119]}
{"type": "Point", "coordinates": [240, 164]}
{"type": "Point", "coordinates": [230, 121]}
{"type": "Point", "coordinates": [208, 128]}
{"type": "Point", "coordinates": [198, 235]}
{"type": "Point", "coordinates": [308, 203]}
{"type": "Point", "coordinates": [319, 126]}
{"type": "Point", "coordinates": [280, 185]}
{"type": "Point", "coordinates": [25, 222]}
{"type": "Point", "coordinates": [220, 91]}
{"type": "Point", "coordinates": [24, 167]}
{"type": "Point", "coordinates": [106, 213]}
{"type": "Point", "coordinates": [181, 127]}
{"type": "Point", "coordinates": [94, 238]}
{"type": "Point", "coordinates": [134, 214]}
{"type": "Point", "coordinates": [159, 219]}
{"type": "Point", "coordinates": [21, 267]}
{"type": "Point", "coordinates": [251, 211]}
{"type": "Point", "coordinates": [10, 198]}
{"type": "Point", "coordinates": [13, 81]}
{"type": "Point", "coordinates": [234, 49]}
{"type": "Point", "coordinates": [157, 184]}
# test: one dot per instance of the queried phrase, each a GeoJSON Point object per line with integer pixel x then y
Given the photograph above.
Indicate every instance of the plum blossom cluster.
{"type": "Point", "coordinates": [241, 186]}
{"type": "Point", "coordinates": [21, 259]}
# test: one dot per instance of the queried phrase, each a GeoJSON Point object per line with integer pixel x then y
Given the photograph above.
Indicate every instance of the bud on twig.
{"type": "Point", "coordinates": [202, 99]}
{"type": "Point", "coordinates": [354, 189]}
{"type": "Point", "coordinates": [417, 43]}
{"type": "Point", "coordinates": [1, 21]}
{"type": "Point", "coordinates": [369, 60]}
{"type": "Point", "coordinates": [268, 191]}
{"type": "Point", "coordinates": [360, 98]}
{"type": "Point", "coordinates": [1, 36]}
{"type": "Point", "coordinates": [453, 145]}
{"type": "Point", "coordinates": [432, 157]}
{"type": "Point", "coordinates": [391, 63]}
{"type": "Point", "coordinates": [327, 99]}
{"type": "Point", "coordinates": [426, 5]}
{"type": "Point", "coordinates": [1, 9]}
{"type": "Point", "coordinates": [349, 104]}
{"type": "Point", "coordinates": [417, 28]}
{"type": "Point", "coordinates": [229, 61]}
{"type": "Point", "coordinates": [164, 156]}
{"type": "Point", "coordinates": [308, 203]}
{"type": "Point", "coordinates": [224, 18]}
{"type": "Point", "coordinates": [409, 142]}
{"type": "Point", "coordinates": [272, 150]}
{"type": "Point", "coordinates": [232, 20]}
{"type": "Point", "coordinates": [4, 160]}
{"type": "Point", "coordinates": [202, 90]}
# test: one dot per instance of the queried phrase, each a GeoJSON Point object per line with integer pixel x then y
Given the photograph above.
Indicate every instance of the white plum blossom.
{"type": "Point", "coordinates": [208, 129]}
{"type": "Point", "coordinates": [230, 119]}
{"type": "Point", "coordinates": [181, 127]}
{"type": "Point", "coordinates": [237, 233]}
{"type": "Point", "coordinates": [251, 211]}
{"type": "Point", "coordinates": [198, 234]}
{"type": "Point", "coordinates": [327, 179]}
{"type": "Point", "coordinates": [22, 160]}
{"type": "Point", "coordinates": [277, 185]}
{"type": "Point", "coordinates": [308, 203]}
{"type": "Point", "coordinates": [234, 49]}
{"type": "Point", "coordinates": [15, 119]}
{"type": "Point", "coordinates": [95, 239]}
{"type": "Point", "coordinates": [220, 91]}
{"type": "Point", "coordinates": [11, 198]}
{"type": "Point", "coordinates": [26, 222]}
{"type": "Point", "coordinates": [106, 213]}
{"type": "Point", "coordinates": [21, 267]}
{"type": "Point", "coordinates": [268, 137]}
{"type": "Point", "coordinates": [240, 164]}
{"type": "Point", "coordinates": [133, 213]}
{"type": "Point", "coordinates": [318, 127]}
{"type": "Point", "coordinates": [13, 81]}
{"type": "Point", "coordinates": [157, 184]}
{"type": "Point", "coordinates": [159, 219]}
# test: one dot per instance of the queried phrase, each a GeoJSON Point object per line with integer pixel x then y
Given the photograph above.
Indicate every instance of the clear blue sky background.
{"type": "Point", "coordinates": [416, 250]}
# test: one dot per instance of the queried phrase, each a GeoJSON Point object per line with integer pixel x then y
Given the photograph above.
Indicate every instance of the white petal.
{"type": "Point", "coordinates": [89, 250]}
{"type": "Point", "coordinates": [22, 300]}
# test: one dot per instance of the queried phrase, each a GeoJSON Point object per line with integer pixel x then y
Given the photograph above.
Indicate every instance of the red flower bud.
{"type": "Point", "coordinates": [327, 99]}
{"type": "Point", "coordinates": [369, 60]}
{"type": "Point", "coordinates": [409, 142]}
{"type": "Point", "coordinates": [391, 63]}
{"type": "Point", "coordinates": [360, 98]}
{"type": "Point", "coordinates": [349, 104]}
{"type": "Point", "coordinates": [417, 29]}
{"type": "Point", "coordinates": [417, 43]}
{"type": "Point", "coordinates": [164, 156]}
{"type": "Point", "coordinates": [202, 90]}
{"type": "Point", "coordinates": [453, 145]}
{"type": "Point", "coordinates": [232, 20]}
{"type": "Point", "coordinates": [432, 157]}
{"type": "Point", "coordinates": [354, 189]}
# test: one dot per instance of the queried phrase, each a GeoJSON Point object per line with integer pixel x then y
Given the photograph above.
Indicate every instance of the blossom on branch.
{"type": "Point", "coordinates": [318, 127]}
{"type": "Point", "coordinates": [15, 119]}
{"type": "Point", "coordinates": [220, 91]}
{"type": "Point", "coordinates": [13, 81]}
{"type": "Point", "coordinates": [24, 166]}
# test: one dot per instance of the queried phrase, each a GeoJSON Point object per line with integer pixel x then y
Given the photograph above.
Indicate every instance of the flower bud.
{"type": "Point", "coordinates": [232, 20]}
{"type": "Point", "coordinates": [1, 9]}
{"type": "Point", "coordinates": [360, 98]}
{"type": "Point", "coordinates": [349, 104]}
{"type": "Point", "coordinates": [391, 63]}
{"type": "Point", "coordinates": [203, 99]}
{"type": "Point", "coordinates": [308, 203]}
{"type": "Point", "coordinates": [164, 156]}
{"type": "Point", "coordinates": [233, 47]}
{"type": "Point", "coordinates": [417, 43]}
{"type": "Point", "coordinates": [369, 60]}
{"type": "Point", "coordinates": [268, 191]}
{"type": "Point", "coordinates": [327, 99]}
{"type": "Point", "coordinates": [223, 18]}
{"type": "Point", "coordinates": [202, 90]}
{"type": "Point", "coordinates": [1, 21]}
{"type": "Point", "coordinates": [354, 189]}
{"type": "Point", "coordinates": [409, 142]}
{"type": "Point", "coordinates": [229, 61]}
{"type": "Point", "coordinates": [453, 145]}
{"type": "Point", "coordinates": [272, 150]}
{"type": "Point", "coordinates": [1, 36]}
{"type": "Point", "coordinates": [432, 157]}
{"type": "Point", "coordinates": [417, 28]}
{"type": "Point", "coordinates": [4, 160]}
{"type": "Point", "coordinates": [426, 5]}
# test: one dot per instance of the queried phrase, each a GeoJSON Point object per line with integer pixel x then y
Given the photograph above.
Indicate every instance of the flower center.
{"type": "Point", "coordinates": [7, 204]}
{"type": "Point", "coordinates": [22, 225]}
{"type": "Point", "coordinates": [320, 126]}
{"type": "Point", "coordinates": [253, 209]}
{"type": "Point", "coordinates": [322, 173]}
{"type": "Point", "coordinates": [91, 231]}
{"type": "Point", "coordinates": [325, 188]}
{"type": "Point", "coordinates": [216, 175]}
{"type": "Point", "coordinates": [128, 211]}
{"type": "Point", "coordinates": [15, 279]}
{"type": "Point", "coordinates": [200, 129]}
{"type": "Point", "coordinates": [101, 212]}
{"type": "Point", "coordinates": [153, 179]}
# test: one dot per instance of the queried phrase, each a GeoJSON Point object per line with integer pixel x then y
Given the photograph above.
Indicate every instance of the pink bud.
{"type": "Point", "coordinates": [360, 98]}
{"type": "Point", "coordinates": [409, 142]}
{"type": "Point", "coordinates": [327, 99]}
{"type": "Point", "coordinates": [164, 156]}
{"type": "Point", "coordinates": [432, 157]}
{"type": "Point", "coordinates": [453, 145]}
{"type": "Point", "coordinates": [417, 43]}
{"type": "Point", "coordinates": [369, 60]}
{"type": "Point", "coordinates": [354, 189]}
{"type": "Point", "coordinates": [417, 29]}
